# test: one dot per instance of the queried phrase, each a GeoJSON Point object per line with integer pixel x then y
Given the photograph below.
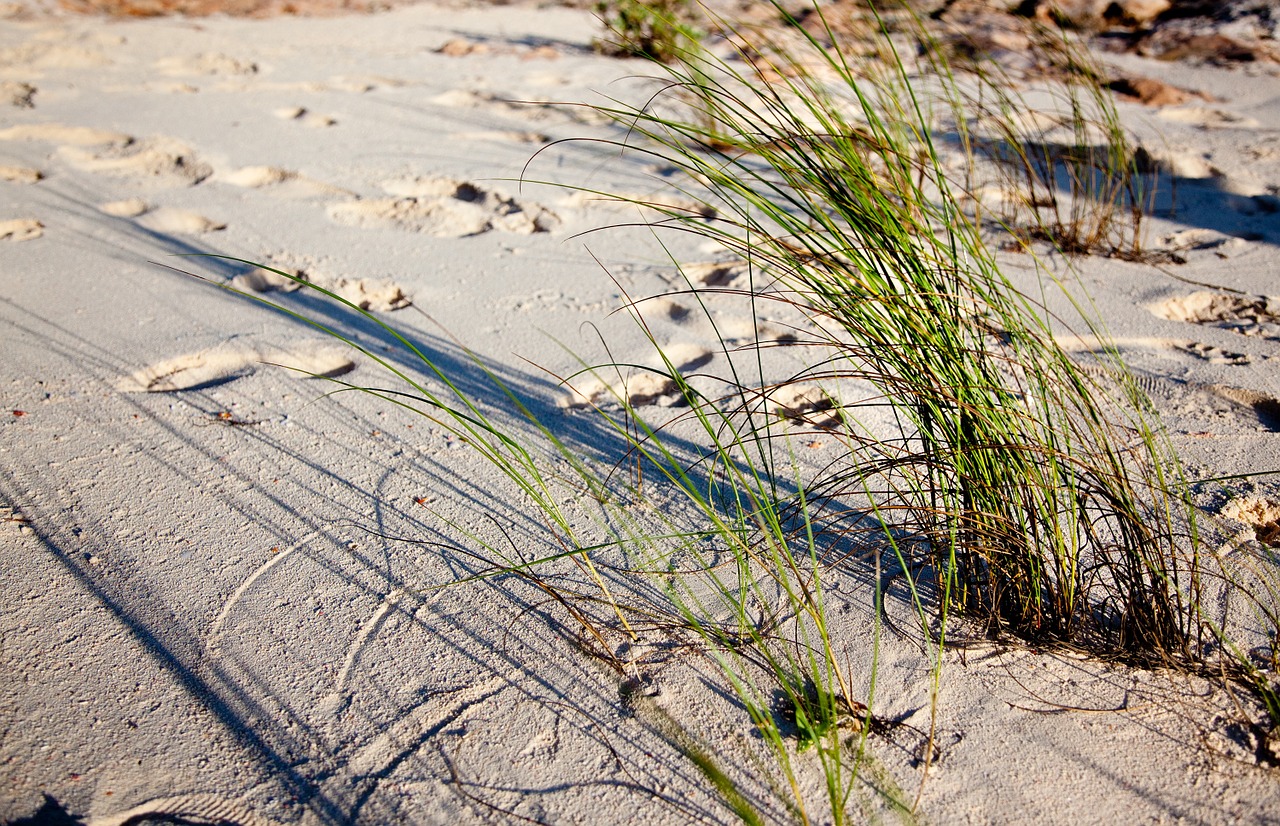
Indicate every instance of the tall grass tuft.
{"type": "Point", "coordinates": [1029, 501]}
{"type": "Point", "coordinates": [1066, 170]}
{"type": "Point", "coordinates": [653, 29]}
{"type": "Point", "coordinates": [1021, 487]}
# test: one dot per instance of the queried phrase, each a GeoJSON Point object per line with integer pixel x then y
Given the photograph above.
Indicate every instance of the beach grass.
{"type": "Point", "coordinates": [1009, 477]}
{"type": "Point", "coordinates": [1021, 492]}
{"type": "Point", "coordinates": [1067, 169]}
{"type": "Point", "coordinates": [652, 29]}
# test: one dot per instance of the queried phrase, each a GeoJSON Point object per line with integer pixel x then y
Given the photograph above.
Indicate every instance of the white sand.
{"type": "Point", "coordinates": [201, 614]}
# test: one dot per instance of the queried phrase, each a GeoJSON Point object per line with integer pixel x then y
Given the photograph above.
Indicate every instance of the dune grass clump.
{"type": "Point", "coordinates": [654, 29]}
{"type": "Point", "coordinates": [1063, 169]}
{"type": "Point", "coordinates": [1032, 503]}
{"type": "Point", "coordinates": [1025, 488]}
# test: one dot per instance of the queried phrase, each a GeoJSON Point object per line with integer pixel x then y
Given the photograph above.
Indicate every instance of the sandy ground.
{"type": "Point", "coordinates": [217, 602]}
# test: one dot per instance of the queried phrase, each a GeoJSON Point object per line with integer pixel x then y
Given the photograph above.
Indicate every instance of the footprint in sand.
{"type": "Point", "coordinates": [1199, 349]}
{"type": "Point", "coordinates": [1251, 187]}
{"type": "Point", "coordinates": [1260, 514]}
{"type": "Point", "coordinates": [130, 208]}
{"type": "Point", "coordinates": [64, 135]}
{"type": "Point", "coordinates": [1179, 164]}
{"type": "Point", "coordinates": [21, 229]}
{"type": "Point", "coordinates": [733, 275]}
{"type": "Point", "coordinates": [445, 208]}
{"type": "Point", "coordinates": [305, 117]}
{"type": "Point", "coordinates": [170, 221]}
{"type": "Point", "coordinates": [740, 331]}
{"type": "Point", "coordinates": [282, 182]}
{"type": "Point", "coordinates": [802, 403]}
{"type": "Point", "coordinates": [17, 94]}
{"type": "Point", "coordinates": [379, 295]}
{"type": "Point", "coordinates": [1250, 315]}
{"type": "Point", "coordinates": [376, 295]}
{"type": "Point", "coordinates": [1211, 354]}
{"type": "Point", "coordinates": [462, 47]}
{"type": "Point", "coordinates": [468, 99]}
{"type": "Point", "coordinates": [206, 63]}
{"type": "Point", "coordinates": [218, 365]}
{"type": "Point", "coordinates": [729, 330]}
{"type": "Point", "coordinates": [1194, 405]}
{"type": "Point", "coordinates": [360, 85]}
{"type": "Point", "coordinates": [1216, 405]}
{"type": "Point", "coordinates": [642, 388]}
{"type": "Point", "coordinates": [1266, 408]}
{"type": "Point", "coordinates": [165, 220]}
{"type": "Point", "coordinates": [259, 280]}
{"type": "Point", "coordinates": [672, 310]}
{"type": "Point", "coordinates": [159, 161]}
{"type": "Point", "coordinates": [20, 174]}
{"type": "Point", "coordinates": [1197, 239]}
